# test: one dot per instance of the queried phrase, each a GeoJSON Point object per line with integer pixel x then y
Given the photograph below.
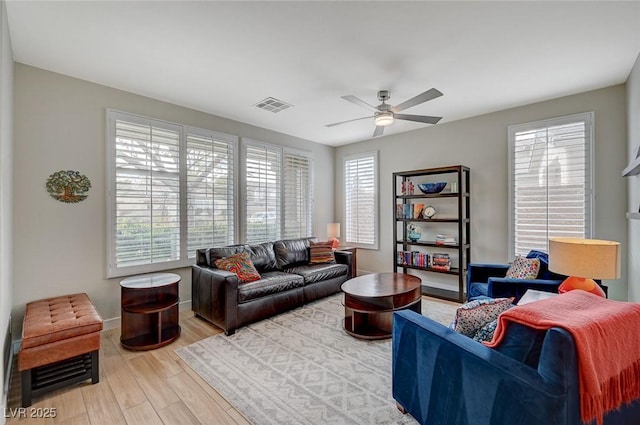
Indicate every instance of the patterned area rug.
{"type": "Point", "coordinates": [301, 367]}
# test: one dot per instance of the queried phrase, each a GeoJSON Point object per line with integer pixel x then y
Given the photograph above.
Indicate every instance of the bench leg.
{"type": "Point", "coordinates": [95, 367]}
{"type": "Point", "coordinates": [26, 388]}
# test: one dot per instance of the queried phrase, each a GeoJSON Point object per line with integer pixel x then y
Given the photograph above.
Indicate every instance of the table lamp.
{"type": "Point", "coordinates": [584, 260]}
{"type": "Point", "coordinates": [333, 233]}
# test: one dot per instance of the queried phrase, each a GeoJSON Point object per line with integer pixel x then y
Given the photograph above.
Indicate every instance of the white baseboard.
{"type": "Point", "coordinates": [115, 322]}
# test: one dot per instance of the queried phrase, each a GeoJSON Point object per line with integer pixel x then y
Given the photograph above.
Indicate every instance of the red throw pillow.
{"type": "Point", "coordinates": [241, 265]}
{"type": "Point", "coordinates": [321, 252]}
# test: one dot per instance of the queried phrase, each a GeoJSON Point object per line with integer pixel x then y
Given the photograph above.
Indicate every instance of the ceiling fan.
{"type": "Point", "coordinates": [386, 114]}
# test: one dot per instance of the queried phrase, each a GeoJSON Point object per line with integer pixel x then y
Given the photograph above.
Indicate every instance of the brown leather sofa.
{"type": "Point", "coordinates": [287, 281]}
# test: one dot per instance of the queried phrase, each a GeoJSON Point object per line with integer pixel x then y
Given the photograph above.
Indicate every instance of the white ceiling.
{"type": "Point", "coordinates": [224, 57]}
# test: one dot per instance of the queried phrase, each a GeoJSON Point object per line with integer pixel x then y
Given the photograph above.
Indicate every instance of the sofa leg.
{"type": "Point", "coordinates": [229, 332]}
{"type": "Point", "coordinates": [400, 408]}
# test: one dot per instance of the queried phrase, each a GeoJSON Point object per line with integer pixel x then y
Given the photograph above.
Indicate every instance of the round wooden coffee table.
{"type": "Point", "coordinates": [370, 300]}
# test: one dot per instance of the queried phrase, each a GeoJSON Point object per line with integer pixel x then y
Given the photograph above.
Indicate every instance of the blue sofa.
{"type": "Point", "coordinates": [441, 377]}
{"type": "Point", "coordinates": [488, 280]}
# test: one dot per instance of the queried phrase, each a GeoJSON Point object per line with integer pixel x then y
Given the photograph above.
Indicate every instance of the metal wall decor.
{"type": "Point", "coordinates": [68, 186]}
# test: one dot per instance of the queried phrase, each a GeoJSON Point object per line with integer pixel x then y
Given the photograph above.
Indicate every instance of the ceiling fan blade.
{"type": "Point", "coordinates": [378, 131]}
{"type": "Point", "coordinates": [359, 102]}
{"type": "Point", "coordinates": [416, 100]}
{"type": "Point", "coordinates": [344, 122]}
{"type": "Point", "coordinates": [419, 118]}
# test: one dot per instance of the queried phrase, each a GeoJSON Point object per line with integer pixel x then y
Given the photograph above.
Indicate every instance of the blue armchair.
{"type": "Point", "coordinates": [488, 280]}
{"type": "Point", "coordinates": [441, 377]}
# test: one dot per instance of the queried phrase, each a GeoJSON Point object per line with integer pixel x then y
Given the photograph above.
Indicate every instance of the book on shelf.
{"type": "Point", "coordinates": [445, 240]}
{"type": "Point", "coordinates": [417, 210]}
{"type": "Point", "coordinates": [413, 258]}
{"type": "Point", "coordinates": [409, 211]}
{"type": "Point", "coordinates": [441, 262]}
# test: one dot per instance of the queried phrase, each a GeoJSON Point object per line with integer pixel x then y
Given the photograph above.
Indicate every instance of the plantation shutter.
{"type": "Point", "coordinates": [297, 216]}
{"type": "Point", "coordinates": [262, 193]}
{"type": "Point", "coordinates": [210, 190]}
{"type": "Point", "coordinates": [551, 181]}
{"type": "Point", "coordinates": [360, 176]}
{"type": "Point", "coordinates": [147, 193]}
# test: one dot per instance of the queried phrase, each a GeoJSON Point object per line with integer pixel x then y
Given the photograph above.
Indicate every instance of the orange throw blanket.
{"type": "Point", "coordinates": [607, 337]}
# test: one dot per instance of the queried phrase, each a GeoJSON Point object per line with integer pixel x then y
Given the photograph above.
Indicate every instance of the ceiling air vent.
{"type": "Point", "coordinates": [273, 105]}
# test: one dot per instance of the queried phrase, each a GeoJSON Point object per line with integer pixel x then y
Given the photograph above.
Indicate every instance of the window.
{"type": "Point", "coordinates": [550, 181]}
{"type": "Point", "coordinates": [297, 195]}
{"type": "Point", "coordinates": [263, 166]}
{"type": "Point", "coordinates": [361, 199]}
{"type": "Point", "coordinates": [210, 189]}
{"type": "Point", "coordinates": [171, 192]}
{"type": "Point", "coordinates": [278, 193]}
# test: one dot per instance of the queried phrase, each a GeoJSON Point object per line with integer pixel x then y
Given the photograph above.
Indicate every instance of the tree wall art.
{"type": "Point", "coordinates": [68, 186]}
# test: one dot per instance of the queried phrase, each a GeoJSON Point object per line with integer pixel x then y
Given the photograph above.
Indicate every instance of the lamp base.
{"type": "Point", "coordinates": [336, 242]}
{"type": "Point", "coordinates": [588, 285]}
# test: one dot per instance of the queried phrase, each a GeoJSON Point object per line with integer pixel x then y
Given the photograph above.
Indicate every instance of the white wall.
{"type": "Point", "coordinates": [6, 191]}
{"type": "Point", "coordinates": [59, 125]}
{"type": "Point", "coordinates": [481, 144]}
{"type": "Point", "coordinates": [633, 189]}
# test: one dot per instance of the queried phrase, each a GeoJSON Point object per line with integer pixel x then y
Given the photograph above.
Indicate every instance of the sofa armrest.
{"type": "Point", "coordinates": [345, 257]}
{"type": "Point", "coordinates": [442, 377]}
{"type": "Point", "coordinates": [482, 272]}
{"type": "Point", "coordinates": [215, 296]}
{"type": "Point", "coordinates": [509, 287]}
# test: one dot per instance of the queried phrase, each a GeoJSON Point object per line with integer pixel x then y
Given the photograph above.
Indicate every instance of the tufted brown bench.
{"type": "Point", "coordinates": [60, 344]}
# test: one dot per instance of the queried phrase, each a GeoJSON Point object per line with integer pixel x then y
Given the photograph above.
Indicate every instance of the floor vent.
{"type": "Point", "coordinates": [273, 105]}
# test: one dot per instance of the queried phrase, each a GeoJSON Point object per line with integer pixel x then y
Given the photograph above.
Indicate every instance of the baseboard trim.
{"type": "Point", "coordinates": [115, 322]}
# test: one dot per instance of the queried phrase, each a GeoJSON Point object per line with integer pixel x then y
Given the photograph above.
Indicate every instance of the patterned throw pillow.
{"type": "Point", "coordinates": [472, 316]}
{"type": "Point", "coordinates": [486, 332]}
{"type": "Point", "coordinates": [524, 268]}
{"type": "Point", "coordinates": [241, 265]}
{"type": "Point", "coordinates": [321, 252]}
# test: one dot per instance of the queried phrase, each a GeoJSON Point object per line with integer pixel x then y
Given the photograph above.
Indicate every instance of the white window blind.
{"type": "Point", "coordinates": [171, 191]}
{"type": "Point", "coordinates": [297, 216]}
{"type": "Point", "coordinates": [263, 167]}
{"type": "Point", "coordinates": [147, 193]}
{"type": "Point", "coordinates": [210, 189]}
{"type": "Point", "coordinates": [551, 181]}
{"type": "Point", "coordinates": [361, 199]}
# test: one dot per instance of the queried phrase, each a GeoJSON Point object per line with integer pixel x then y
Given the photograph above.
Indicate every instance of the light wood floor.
{"type": "Point", "coordinates": [148, 387]}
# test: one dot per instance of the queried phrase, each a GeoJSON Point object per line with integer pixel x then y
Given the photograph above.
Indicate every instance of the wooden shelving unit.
{"type": "Point", "coordinates": [461, 250]}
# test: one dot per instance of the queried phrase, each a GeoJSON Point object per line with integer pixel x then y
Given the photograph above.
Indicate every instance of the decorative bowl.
{"type": "Point", "coordinates": [432, 187]}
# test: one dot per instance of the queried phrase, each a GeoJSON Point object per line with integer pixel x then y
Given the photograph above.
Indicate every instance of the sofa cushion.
{"type": "Point", "coordinates": [263, 256]}
{"type": "Point", "coordinates": [321, 252]}
{"type": "Point", "coordinates": [472, 316]}
{"type": "Point", "coordinates": [524, 268]}
{"type": "Point", "coordinates": [270, 283]}
{"type": "Point", "coordinates": [544, 272]}
{"type": "Point", "coordinates": [318, 272]}
{"type": "Point", "coordinates": [214, 254]}
{"type": "Point", "coordinates": [292, 252]}
{"type": "Point", "coordinates": [241, 265]}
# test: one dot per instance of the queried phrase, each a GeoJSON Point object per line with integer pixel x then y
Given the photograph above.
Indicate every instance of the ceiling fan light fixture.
{"type": "Point", "coordinates": [384, 118]}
